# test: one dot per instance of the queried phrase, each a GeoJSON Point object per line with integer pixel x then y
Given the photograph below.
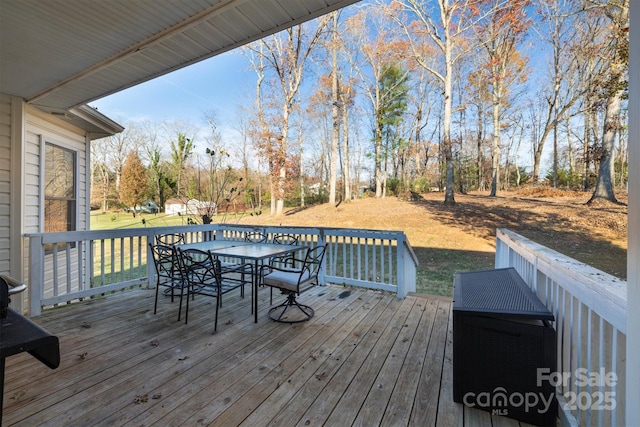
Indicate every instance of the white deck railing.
{"type": "Point", "coordinates": [590, 309]}
{"type": "Point", "coordinates": [65, 267]}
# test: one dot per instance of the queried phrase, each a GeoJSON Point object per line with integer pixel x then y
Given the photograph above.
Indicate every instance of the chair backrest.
{"type": "Point", "coordinates": [285, 239]}
{"type": "Point", "coordinates": [165, 260]}
{"type": "Point", "coordinates": [199, 268]}
{"type": "Point", "coordinates": [170, 239]}
{"type": "Point", "coordinates": [255, 237]}
{"type": "Point", "coordinates": [312, 264]}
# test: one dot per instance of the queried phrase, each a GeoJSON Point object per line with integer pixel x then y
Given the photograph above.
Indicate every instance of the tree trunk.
{"type": "Point", "coordinates": [345, 135]}
{"type": "Point", "coordinates": [378, 157]}
{"type": "Point", "coordinates": [495, 145]}
{"type": "Point", "coordinates": [480, 176]}
{"type": "Point", "coordinates": [449, 199]}
{"type": "Point", "coordinates": [604, 184]}
{"type": "Point", "coordinates": [333, 176]}
{"type": "Point", "coordinates": [300, 144]}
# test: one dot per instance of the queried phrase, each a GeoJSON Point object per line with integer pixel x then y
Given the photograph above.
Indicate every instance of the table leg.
{"type": "Point", "coordinates": [256, 280]}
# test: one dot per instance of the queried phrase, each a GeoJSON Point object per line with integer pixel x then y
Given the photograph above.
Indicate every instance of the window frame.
{"type": "Point", "coordinates": [72, 202]}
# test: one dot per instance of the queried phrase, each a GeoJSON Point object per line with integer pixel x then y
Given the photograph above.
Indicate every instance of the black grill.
{"type": "Point", "coordinates": [19, 334]}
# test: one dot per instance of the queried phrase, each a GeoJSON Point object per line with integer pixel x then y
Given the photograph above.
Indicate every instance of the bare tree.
{"type": "Point", "coordinates": [500, 34]}
{"type": "Point", "coordinates": [347, 95]}
{"type": "Point", "coordinates": [479, 98]}
{"type": "Point", "coordinates": [558, 30]}
{"type": "Point", "coordinates": [100, 170]}
{"type": "Point", "coordinates": [446, 31]}
{"type": "Point", "coordinates": [615, 87]}
{"type": "Point", "coordinates": [260, 133]}
{"type": "Point", "coordinates": [373, 48]}
{"type": "Point", "coordinates": [120, 145]}
{"type": "Point", "coordinates": [335, 109]}
{"type": "Point", "coordinates": [285, 55]}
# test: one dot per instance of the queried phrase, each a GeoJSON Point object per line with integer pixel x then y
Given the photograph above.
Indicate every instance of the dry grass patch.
{"type": "Point", "coordinates": [462, 238]}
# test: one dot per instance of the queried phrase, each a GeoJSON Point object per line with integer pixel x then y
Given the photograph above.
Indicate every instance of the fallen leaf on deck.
{"type": "Point", "coordinates": [141, 399]}
{"type": "Point", "coordinates": [17, 395]}
{"type": "Point", "coordinates": [86, 325]}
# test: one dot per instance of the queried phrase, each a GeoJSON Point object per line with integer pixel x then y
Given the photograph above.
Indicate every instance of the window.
{"type": "Point", "coordinates": [59, 189]}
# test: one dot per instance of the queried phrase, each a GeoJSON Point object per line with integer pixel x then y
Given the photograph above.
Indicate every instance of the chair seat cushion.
{"type": "Point", "coordinates": [287, 280]}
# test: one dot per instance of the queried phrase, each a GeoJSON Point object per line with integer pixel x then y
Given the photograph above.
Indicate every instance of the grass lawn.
{"type": "Point", "coordinates": [118, 220]}
{"type": "Point", "coordinates": [455, 239]}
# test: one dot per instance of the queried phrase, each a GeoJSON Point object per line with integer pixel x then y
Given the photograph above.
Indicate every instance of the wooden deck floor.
{"type": "Point", "coordinates": [366, 358]}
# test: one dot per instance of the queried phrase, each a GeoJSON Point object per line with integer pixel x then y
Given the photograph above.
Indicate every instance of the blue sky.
{"type": "Point", "coordinates": [218, 84]}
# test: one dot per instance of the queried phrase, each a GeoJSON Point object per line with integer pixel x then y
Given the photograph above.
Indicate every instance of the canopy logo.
{"type": "Point", "coordinates": [500, 399]}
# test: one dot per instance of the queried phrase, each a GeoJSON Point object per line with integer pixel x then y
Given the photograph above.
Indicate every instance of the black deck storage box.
{"type": "Point", "coordinates": [501, 338]}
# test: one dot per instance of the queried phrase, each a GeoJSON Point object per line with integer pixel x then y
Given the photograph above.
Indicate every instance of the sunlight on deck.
{"type": "Point", "coordinates": [366, 358]}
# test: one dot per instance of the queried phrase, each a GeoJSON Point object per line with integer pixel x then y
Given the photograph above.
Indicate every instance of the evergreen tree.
{"type": "Point", "coordinates": [394, 90]}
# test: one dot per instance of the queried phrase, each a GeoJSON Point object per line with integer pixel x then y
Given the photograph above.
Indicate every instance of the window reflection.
{"type": "Point", "coordinates": [59, 190]}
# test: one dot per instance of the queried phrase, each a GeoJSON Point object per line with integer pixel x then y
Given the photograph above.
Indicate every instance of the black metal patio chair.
{"type": "Point", "coordinates": [284, 239]}
{"type": "Point", "coordinates": [170, 239]}
{"type": "Point", "coordinates": [168, 275]}
{"type": "Point", "coordinates": [204, 276]}
{"type": "Point", "coordinates": [255, 237]}
{"type": "Point", "coordinates": [291, 282]}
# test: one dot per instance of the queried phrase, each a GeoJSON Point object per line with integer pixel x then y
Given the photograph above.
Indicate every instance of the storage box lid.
{"type": "Point", "coordinates": [501, 292]}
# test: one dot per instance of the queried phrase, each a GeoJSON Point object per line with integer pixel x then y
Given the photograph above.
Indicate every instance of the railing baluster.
{"type": "Point", "coordinates": [67, 257]}
{"type": "Point", "coordinates": [55, 270]}
{"type": "Point", "coordinates": [614, 366]}
{"type": "Point", "coordinates": [131, 259]}
{"type": "Point", "coordinates": [351, 257]}
{"type": "Point", "coordinates": [110, 260]}
{"type": "Point", "coordinates": [344, 257]}
{"type": "Point", "coordinates": [102, 266]}
{"type": "Point", "coordinates": [81, 266]}
{"type": "Point", "coordinates": [589, 346]}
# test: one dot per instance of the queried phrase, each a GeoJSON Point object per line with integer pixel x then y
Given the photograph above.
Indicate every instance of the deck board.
{"type": "Point", "coordinates": [366, 358]}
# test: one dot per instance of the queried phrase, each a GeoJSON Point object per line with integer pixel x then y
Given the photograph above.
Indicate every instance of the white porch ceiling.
{"type": "Point", "coordinates": [60, 54]}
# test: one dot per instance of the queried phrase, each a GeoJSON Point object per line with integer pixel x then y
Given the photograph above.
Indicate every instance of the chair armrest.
{"type": "Point", "coordinates": [287, 260]}
{"type": "Point", "coordinates": [273, 268]}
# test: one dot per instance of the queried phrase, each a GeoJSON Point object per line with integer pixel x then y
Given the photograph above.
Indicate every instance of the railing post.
{"type": "Point", "coordinates": [151, 268]}
{"type": "Point", "coordinates": [90, 264]}
{"type": "Point", "coordinates": [402, 288]}
{"type": "Point", "coordinates": [502, 251]}
{"type": "Point", "coordinates": [323, 269]}
{"type": "Point", "coordinates": [36, 275]}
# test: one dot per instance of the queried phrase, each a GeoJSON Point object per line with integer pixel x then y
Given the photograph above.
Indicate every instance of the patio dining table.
{"type": "Point", "coordinates": [212, 245]}
{"type": "Point", "coordinates": [256, 252]}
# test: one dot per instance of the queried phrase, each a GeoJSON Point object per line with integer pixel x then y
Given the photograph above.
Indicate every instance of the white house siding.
{"type": "Point", "coordinates": [175, 207]}
{"type": "Point", "coordinates": [5, 183]}
{"type": "Point", "coordinates": [42, 128]}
